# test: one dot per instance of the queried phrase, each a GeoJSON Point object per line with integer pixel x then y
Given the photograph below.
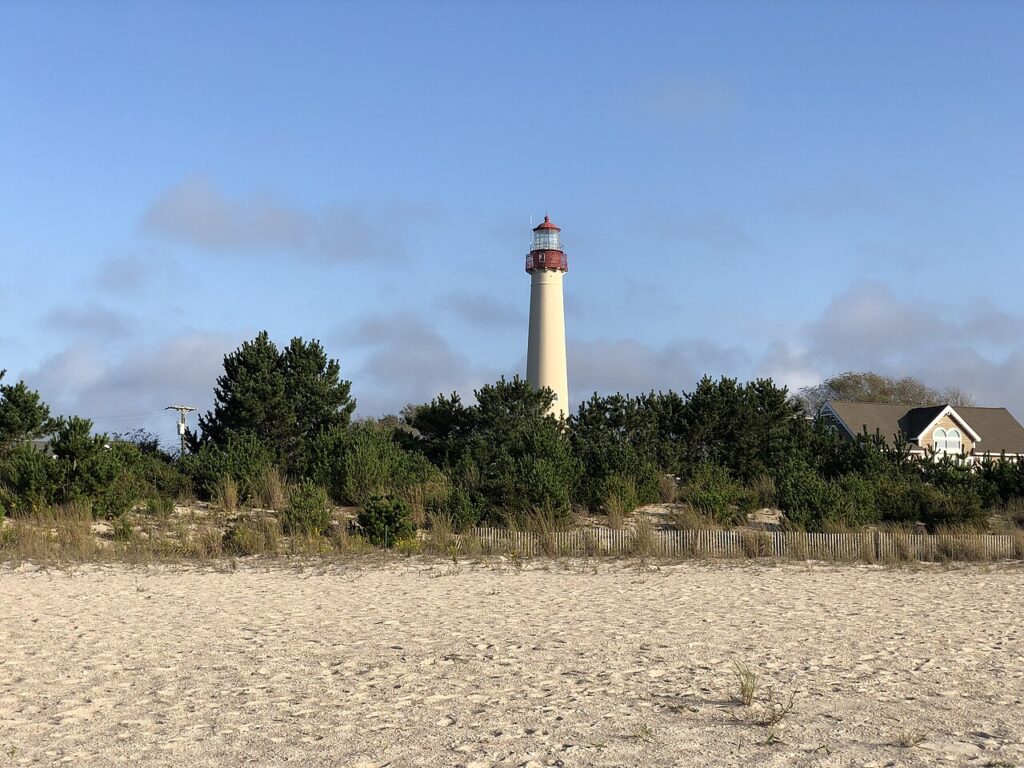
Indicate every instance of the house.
{"type": "Point", "coordinates": [973, 433]}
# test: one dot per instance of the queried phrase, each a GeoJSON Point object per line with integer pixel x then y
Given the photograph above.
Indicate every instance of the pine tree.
{"type": "Point", "coordinates": [23, 414]}
{"type": "Point", "coordinates": [318, 397]}
{"type": "Point", "coordinates": [282, 398]}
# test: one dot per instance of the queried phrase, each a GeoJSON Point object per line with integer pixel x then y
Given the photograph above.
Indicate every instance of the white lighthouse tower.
{"type": "Point", "coordinates": [545, 359]}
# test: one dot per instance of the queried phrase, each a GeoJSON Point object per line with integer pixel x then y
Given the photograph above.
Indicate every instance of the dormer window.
{"type": "Point", "coordinates": [947, 441]}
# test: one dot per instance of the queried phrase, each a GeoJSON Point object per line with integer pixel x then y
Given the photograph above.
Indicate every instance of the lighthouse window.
{"type": "Point", "coordinates": [542, 258]}
{"type": "Point", "coordinates": [546, 240]}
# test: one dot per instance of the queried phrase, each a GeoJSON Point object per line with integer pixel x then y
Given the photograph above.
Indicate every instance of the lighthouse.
{"type": "Point", "coordinates": [545, 358]}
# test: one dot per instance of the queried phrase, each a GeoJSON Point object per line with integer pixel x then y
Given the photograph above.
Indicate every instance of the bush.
{"type": "Point", "coordinates": [269, 490]}
{"type": "Point", "coordinates": [457, 508]}
{"type": "Point", "coordinates": [244, 459]}
{"type": "Point", "coordinates": [712, 491]}
{"type": "Point", "coordinates": [509, 455]}
{"type": "Point", "coordinates": [620, 499]}
{"type": "Point", "coordinates": [260, 536]}
{"type": "Point", "coordinates": [160, 506]}
{"type": "Point", "coordinates": [32, 479]}
{"type": "Point", "coordinates": [807, 498]}
{"type": "Point", "coordinates": [385, 520]}
{"type": "Point", "coordinates": [956, 507]}
{"type": "Point", "coordinates": [122, 528]}
{"type": "Point", "coordinates": [857, 505]}
{"type": "Point", "coordinates": [119, 495]}
{"type": "Point", "coordinates": [366, 460]}
{"type": "Point", "coordinates": [308, 510]}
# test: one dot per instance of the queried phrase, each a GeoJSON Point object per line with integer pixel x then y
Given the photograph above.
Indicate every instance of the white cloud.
{"type": "Point", "coordinates": [197, 213]}
{"type": "Point", "coordinates": [973, 345]}
{"type": "Point", "coordinates": [484, 310]}
{"type": "Point", "coordinates": [405, 360]}
{"type": "Point", "coordinates": [91, 321]}
{"type": "Point", "coordinates": [127, 390]}
{"type": "Point", "coordinates": [629, 365]}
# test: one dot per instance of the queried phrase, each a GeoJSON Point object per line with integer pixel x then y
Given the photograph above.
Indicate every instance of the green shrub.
{"type": "Point", "coordinates": [119, 496]}
{"type": "Point", "coordinates": [244, 459]}
{"type": "Point", "coordinates": [385, 521]}
{"type": "Point", "coordinates": [807, 498]}
{"type": "Point", "coordinates": [160, 506]}
{"type": "Point", "coordinates": [712, 490]}
{"type": "Point", "coordinates": [409, 547]}
{"type": "Point", "coordinates": [621, 498]}
{"type": "Point", "coordinates": [308, 509]}
{"type": "Point", "coordinates": [372, 465]}
{"type": "Point", "coordinates": [259, 536]}
{"type": "Point", "coordinates": [366, 460]}
{"type": "Point", "coordinates": [457, 508]}
{"type": "Point", "coordinates": [122, 528]}
{"type": "Point", "coordinates": [857, 505]}
{"type": "Point", "coordinates": [32, 479]}
{"type": "Point", "coordinates": [507, 452]}
{"type": "Point", "coordinates": [954, 507]}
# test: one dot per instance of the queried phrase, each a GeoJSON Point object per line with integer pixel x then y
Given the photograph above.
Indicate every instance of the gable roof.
{"type": "Point", "coordinates": [996, 427]}
{"type": "Point", "coordinates": [947, 410]}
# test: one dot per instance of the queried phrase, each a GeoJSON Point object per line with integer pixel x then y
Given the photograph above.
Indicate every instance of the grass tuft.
{"type": "Point", "coordinates": [227, 495]}
{"type": "Point", "coordinates": [909, 738]}
{"type": "Point", "coordinates": [748, 681]}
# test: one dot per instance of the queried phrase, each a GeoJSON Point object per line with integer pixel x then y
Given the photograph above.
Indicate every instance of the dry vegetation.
{"type": "Point", "coordinates": [161, 531]}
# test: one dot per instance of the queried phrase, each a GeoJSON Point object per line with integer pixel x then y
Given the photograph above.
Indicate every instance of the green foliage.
{"type": "Point", "coordinates": [160, 506]}
{"type": "Point", "coordinates": [445, 428]}
{"type": "Point", "coordinates": [23, 415]}
{"type": "Point", "coordinates": [308, 509]}
{"type": "Point", "coordinates": [502, 460]}
{"type": "Point", "coordinates": [807, 498]}
{"type": "Point", "coordinates": [367, 460]}
{"type": "Point", "coordinates": [1003, 478]}
{"type": "Point", "coordinates": [372, 465]}
{"type": "Point", "coordinates": [621, 494]}
{"type": "Point", "coordinates": [284, 399]}
{"type": "Point", "coordinates": [243, 458]}
{"type": "Point", "coordinates": [74, 441]}
{"type": "Point", "coordinates": [385, 521]}
{"type": "Point", "coordinates": [616, 437]}
{"type": "Point", "coordinates": [121, 527]}
{"type": "Point", "coordinates": [858, 504]}
{"type": "Point", "coordinates": [870, 387]}
{"type": "Point", "coordinates": [751, 429]}
{"type": "Point", "coordinates": [259, 536]}
{"type": "Point", "coordinates": [506, 454]}
{"type": "Point", "coordinates": [31, 479]}
{"type": "Point", "coordinates": [712, 490]}
{"type": "Point", "coordinates": [457, 508]}
{"type": "Point", "coordinates": [113, 475]}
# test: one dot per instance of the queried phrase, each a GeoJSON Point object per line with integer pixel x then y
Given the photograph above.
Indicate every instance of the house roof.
{"type": "Point", "coordinates": [996, 427]}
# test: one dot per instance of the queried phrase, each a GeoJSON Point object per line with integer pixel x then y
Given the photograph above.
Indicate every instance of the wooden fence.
{"type": "Point", "coordinates": [869, 546]}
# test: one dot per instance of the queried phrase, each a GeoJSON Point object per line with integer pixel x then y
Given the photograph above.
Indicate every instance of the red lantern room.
{"type": "Point", "coordinates": [546, 251]}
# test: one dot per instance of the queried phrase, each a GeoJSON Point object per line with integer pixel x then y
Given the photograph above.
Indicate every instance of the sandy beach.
{"type": "Point", "coordinates": [416, 663]}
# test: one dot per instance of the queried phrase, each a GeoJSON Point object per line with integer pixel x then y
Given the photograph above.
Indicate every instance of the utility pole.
{"type": "Point", "coordinates": [183, 411]}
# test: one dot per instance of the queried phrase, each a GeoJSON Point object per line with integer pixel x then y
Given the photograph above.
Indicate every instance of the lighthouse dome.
{"type": "Point", "coordinates": [546, 237]}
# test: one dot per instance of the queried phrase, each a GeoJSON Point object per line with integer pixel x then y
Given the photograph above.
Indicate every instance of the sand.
{"type": "Point", "coordinates": [568, 664]}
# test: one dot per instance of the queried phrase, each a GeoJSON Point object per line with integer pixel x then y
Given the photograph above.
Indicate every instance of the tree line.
{"type": "Point", "coordinates": [281, 434]}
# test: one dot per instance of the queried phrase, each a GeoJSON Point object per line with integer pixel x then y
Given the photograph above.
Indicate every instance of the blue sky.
{"type": "Point", "coordinates": [786, 189]}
